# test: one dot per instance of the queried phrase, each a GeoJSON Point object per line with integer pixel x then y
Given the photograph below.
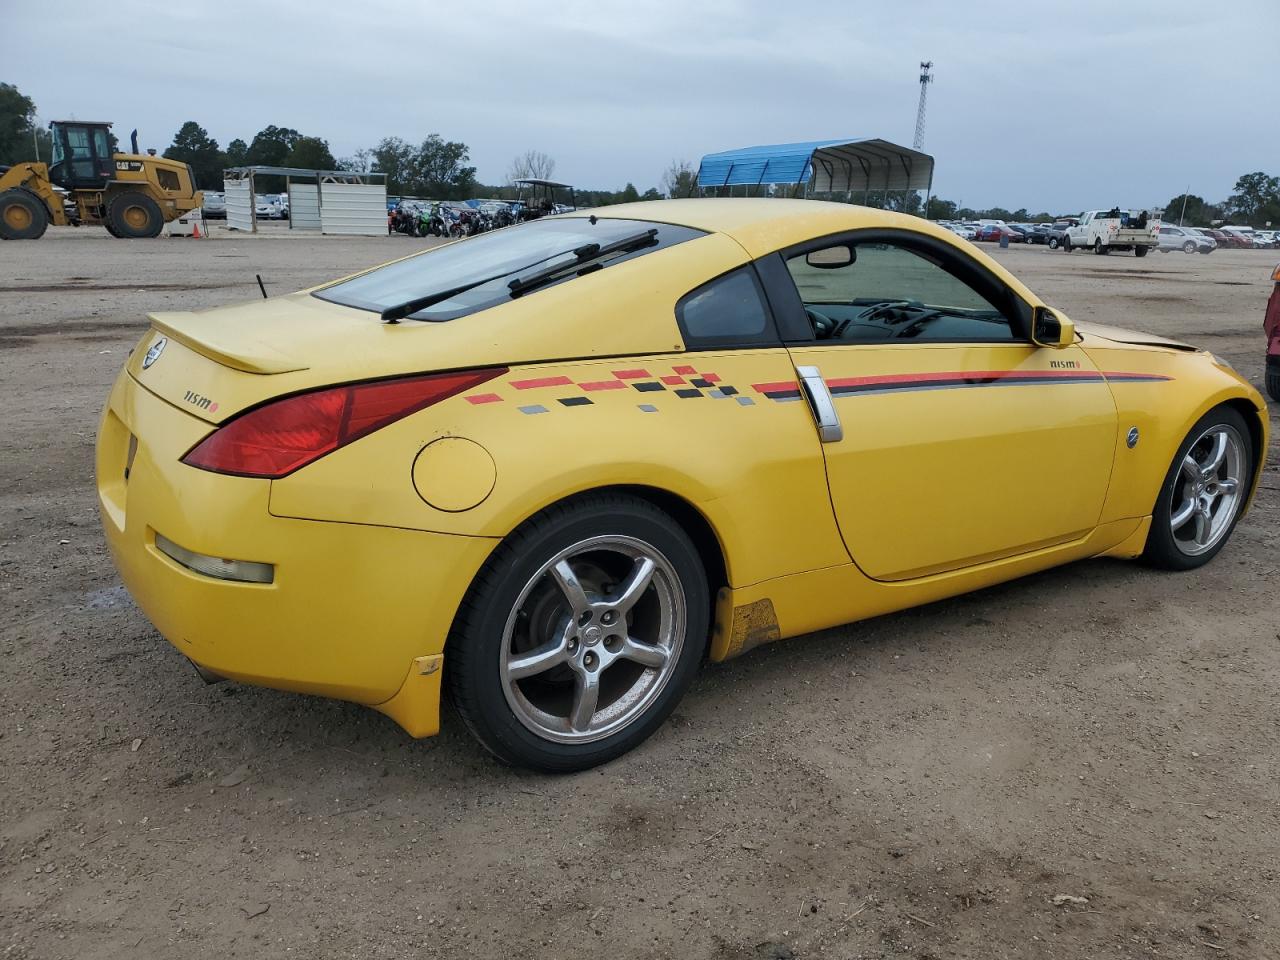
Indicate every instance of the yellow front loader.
{"type": "Point", "coordinates": [133, 195]}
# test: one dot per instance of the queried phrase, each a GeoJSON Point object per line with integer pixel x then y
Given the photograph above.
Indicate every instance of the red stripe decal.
{"type": "Point", "coordinates": [1120, 375]}
{"type": "Point", "coordinates": [485, 398]}
{"type": "Point", "coordinates": [685, 370]}
{"type": "Point", "coordinates": [972, 376]}
{"type": "Point", "coordinates": [673, 381]}
{"type": "Point", "coordinates": [541, 382]}
{"type": "Point", "coordinates": [774, 387]}
{"type": "Point", "coordinates": [711, 377]}
{"type": "Point", "coordinates": [604, 385]}
{"type": "Point", "coordinates": [631, 374]}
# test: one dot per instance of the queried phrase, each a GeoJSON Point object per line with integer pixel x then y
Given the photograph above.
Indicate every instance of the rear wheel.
{"type": "Point", "coordinates": [1273, 383]}
{"type": "Point", "coordinates": [1100, 248]}
{"type": "Point", "coordinates": [1140, 251]}
{"type": "Point", "coordinates": [580, 635]}
{"type": "Point", "coordinates": [134, 216]}
{"type": "Point", "coordinates": [1203, 493]}
{"type": "Point", "coordinates": [22, 215]}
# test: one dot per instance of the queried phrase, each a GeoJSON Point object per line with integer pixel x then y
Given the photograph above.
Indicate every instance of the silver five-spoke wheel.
{"type": "Point", "coordinates": [592, 640]}
{"type": "Point", "coordinates": [1207, 490]}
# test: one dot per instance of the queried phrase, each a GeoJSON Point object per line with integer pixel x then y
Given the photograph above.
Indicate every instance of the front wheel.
{"type": "Point", "coordinates": [134, 216]}
{"type": "Point", "coordinates": [1203, 492]}
{"type": "Point", "coordinates": [1273, 383]}
{"type": "Point", "coordinates": [22, 215]}
{"type": "Point", "coordinates": [1188, 247]}
{"type": "Point", "coordinates": [1053, 243]}
{"type": "Point", "coordinates": [580, 634]}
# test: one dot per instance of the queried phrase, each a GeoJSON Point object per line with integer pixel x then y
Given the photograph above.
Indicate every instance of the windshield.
{"type": "Point", "coordinates": [501, 256]}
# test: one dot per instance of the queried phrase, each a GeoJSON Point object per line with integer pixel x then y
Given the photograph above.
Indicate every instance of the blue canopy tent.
{"type": "Point", "coordinates": [821, 167]}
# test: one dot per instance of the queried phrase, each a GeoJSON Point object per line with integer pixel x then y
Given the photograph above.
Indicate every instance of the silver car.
{"type": "Point", "coordinates": [1185, 239]}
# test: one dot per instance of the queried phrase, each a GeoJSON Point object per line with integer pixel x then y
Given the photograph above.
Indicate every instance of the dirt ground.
{"type": "Point", "coordinates": [920, 785]}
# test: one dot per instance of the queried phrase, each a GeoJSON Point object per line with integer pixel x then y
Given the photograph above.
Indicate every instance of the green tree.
{"type": "Point", "coordinates": [192, 144]}
{"type": "Point", "coordinates": [271, 146]}
{"type": "Point", "coordinates": [392, 156]}
{"type": "Point", "coordinates": [653, 193]}
{"type": "Point", "coordinates": [1256, 199]}
{"type": "Point", "coordinates": [629, 194]}
{"type": "Point", "coordinates": [1199, 213]}
{"type": "Point", "coordinates": [18, 131]}
{"type": "Point", "coordinates": [310, 153]}
{"type": "Point", "coordinates": [939, 209]}
{"type": "Point", "coordinates": [437, 169]}
{"type": "Point", "coordinates": [237, 154]}
{"type": "Point", "coordinates": [359, 162]}
{"type": "Point", "coordinates": [680, 179]}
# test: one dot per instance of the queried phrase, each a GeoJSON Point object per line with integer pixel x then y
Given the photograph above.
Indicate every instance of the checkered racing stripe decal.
{"type": "Point", "coordinates": [684, 381]}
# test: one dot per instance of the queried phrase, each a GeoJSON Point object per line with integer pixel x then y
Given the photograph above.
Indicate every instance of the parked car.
{"type": "Point", "coordinates": [964, 231]}
{"type": "Point", "coordinates": [266, 208]}
{"type": "Point", "coordinates": [1185, 239]}
{"type": "Point", "coordinates": [1271, 327]}
{"type": "Point", "coordinates": [1223, 240]}
{"type": "Point", "coordinates": [411, 438]}
{"type": "Point", "coordinates": [1266, 239]}
{"type": "Point", "coordinates": [1056, 233]}
{"type": "Point", "coordinates": [1037, 233]}
{"type": "Point", "coordinates": [1103, 231]}
{"type": "Point", "coordinates": [1243, 234]}
{"type": "Point", "coordinates": [991, 233]}
{"type": "Point", "coordinates": [215, 205]}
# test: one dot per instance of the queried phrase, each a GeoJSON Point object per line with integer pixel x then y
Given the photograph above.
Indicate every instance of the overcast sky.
{"type": "Point", "coordinates": [1058, 106]}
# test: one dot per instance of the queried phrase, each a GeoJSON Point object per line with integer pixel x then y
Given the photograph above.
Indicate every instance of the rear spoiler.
{"type": "Point", "coordinates": [201, 334]}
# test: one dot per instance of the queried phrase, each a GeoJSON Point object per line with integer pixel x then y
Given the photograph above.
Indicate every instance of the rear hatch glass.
{"type": "Point", "coordinates": [478, 273]}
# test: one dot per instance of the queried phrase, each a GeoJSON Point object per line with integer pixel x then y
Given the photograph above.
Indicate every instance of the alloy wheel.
{"type": "Point", "coordinates": [1208, 490]}
{"type": "Point", "coordinates": [592, 640]}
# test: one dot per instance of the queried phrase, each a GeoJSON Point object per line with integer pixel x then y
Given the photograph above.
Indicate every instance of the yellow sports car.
{"type": "Point", "coordinates": [553, 468]}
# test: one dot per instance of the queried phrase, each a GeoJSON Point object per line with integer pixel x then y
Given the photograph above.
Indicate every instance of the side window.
{"type": "Point", "coordinates": [728, 311]}
{"type": "Point", "coordinates": [885, 293]}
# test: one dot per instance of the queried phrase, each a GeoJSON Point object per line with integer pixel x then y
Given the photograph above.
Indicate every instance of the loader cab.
{"type": "Point", "coordinates": [82, 155]}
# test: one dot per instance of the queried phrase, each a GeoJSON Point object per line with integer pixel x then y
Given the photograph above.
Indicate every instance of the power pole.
{"type": "Point", "coordinates": [925, 79]}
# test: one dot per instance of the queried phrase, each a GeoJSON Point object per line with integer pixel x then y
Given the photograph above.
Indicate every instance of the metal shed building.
{"type": "Point", "coordinates": [844, 166]}
{"type": "Point", "coordinates": [327, 201]}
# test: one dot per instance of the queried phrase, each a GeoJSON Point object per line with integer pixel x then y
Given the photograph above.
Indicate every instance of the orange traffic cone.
{"type": "Point", "coordinates": [195, 230]}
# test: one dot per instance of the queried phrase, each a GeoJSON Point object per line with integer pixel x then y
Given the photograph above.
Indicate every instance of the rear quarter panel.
{"type": "Point", "coordinates": [690, 424]}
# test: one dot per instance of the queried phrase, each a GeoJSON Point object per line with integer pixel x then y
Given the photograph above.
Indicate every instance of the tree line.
{"type": "Point", "coordinates": [439, 169]}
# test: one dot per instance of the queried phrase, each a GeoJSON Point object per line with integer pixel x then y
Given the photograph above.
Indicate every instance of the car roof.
{"type": "Point", "coordinates": [764, 224]}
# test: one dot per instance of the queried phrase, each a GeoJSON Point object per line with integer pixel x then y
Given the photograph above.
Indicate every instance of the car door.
{"type": "Point", "coordinates": [950, 439]}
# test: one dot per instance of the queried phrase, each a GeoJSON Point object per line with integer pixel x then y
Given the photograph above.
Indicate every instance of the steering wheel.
{"type": "Point", "coordinates": [824, 328]}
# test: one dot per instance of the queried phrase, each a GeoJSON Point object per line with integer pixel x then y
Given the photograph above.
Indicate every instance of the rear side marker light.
{"type": "Point", "coordinates": [285, 435]}
{"type": "Point", "coordinates": [243, 571]}
{"type": "Point", "coordinates": [1275, 274]}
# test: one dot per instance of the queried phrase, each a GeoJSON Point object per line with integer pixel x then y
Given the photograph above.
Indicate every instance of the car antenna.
{"type": "Point", "coordinates": [594, 219]}
{"type": "Point", "coordinates": [260, 286]}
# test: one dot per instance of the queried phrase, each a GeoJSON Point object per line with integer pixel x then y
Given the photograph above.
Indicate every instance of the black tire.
{"type": "Point", "coordinates": [110, 229]}
{"type": "Point", "coordinates": [475, 654]}
{"type": "Point", "coordinates": [1140, 251]}
{"type": "Point", "coordinates": [1189, 247]}
{"type": "Point", "coordinates": [1162, 551]}
{"type": "Point", "coordinates": [134, 216]}
{"type": "Point", "coordinates": [1100, 248]}
{"type": "Point", "coordinates": [22, 215]}
{"type": "Point", "coordinates": [1066, 244]}
{"type": "Point", "coordinates": [1273, 382]}
{"type": "Point", "coordinates": [1053, 243]}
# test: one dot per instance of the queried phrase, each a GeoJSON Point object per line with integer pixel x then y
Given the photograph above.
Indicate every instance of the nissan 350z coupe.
{"type": "Point", "coordinates": [554, 468]}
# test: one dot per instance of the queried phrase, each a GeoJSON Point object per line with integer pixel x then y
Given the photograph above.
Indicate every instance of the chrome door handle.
{"type": "Point", "coordinates": [821, 404]}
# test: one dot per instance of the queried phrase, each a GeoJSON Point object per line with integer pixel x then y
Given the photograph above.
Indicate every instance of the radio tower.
{"type": "Point", "coordinates": [925, 79]}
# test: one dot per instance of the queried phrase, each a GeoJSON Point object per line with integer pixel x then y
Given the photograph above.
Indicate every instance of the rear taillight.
{"type": "Point", "coordinates": [282, 436]}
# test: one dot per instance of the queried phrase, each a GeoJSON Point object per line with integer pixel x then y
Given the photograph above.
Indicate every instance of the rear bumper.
{"type": "Point", "coordinates": [350, 607]}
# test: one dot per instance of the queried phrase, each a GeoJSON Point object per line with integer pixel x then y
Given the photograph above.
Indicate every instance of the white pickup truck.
{"type": "Point", "coordinates": [1105, 230]}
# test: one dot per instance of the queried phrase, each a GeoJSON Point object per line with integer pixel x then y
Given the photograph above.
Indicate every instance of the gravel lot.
{"type": "Point", "coordinates": [923, 784]}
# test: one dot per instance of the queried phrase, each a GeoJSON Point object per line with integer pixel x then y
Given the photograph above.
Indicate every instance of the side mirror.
{"type": "Point", "coordinates": [1050, 330]}
{"type": "Point", "coordinates": [831, 258]}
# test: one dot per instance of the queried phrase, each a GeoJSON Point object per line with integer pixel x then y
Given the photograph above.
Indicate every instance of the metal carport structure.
{"type": "Point", "coordinates": [337, 202]}
{"type": "Point", "coordinates": [846, 166]}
